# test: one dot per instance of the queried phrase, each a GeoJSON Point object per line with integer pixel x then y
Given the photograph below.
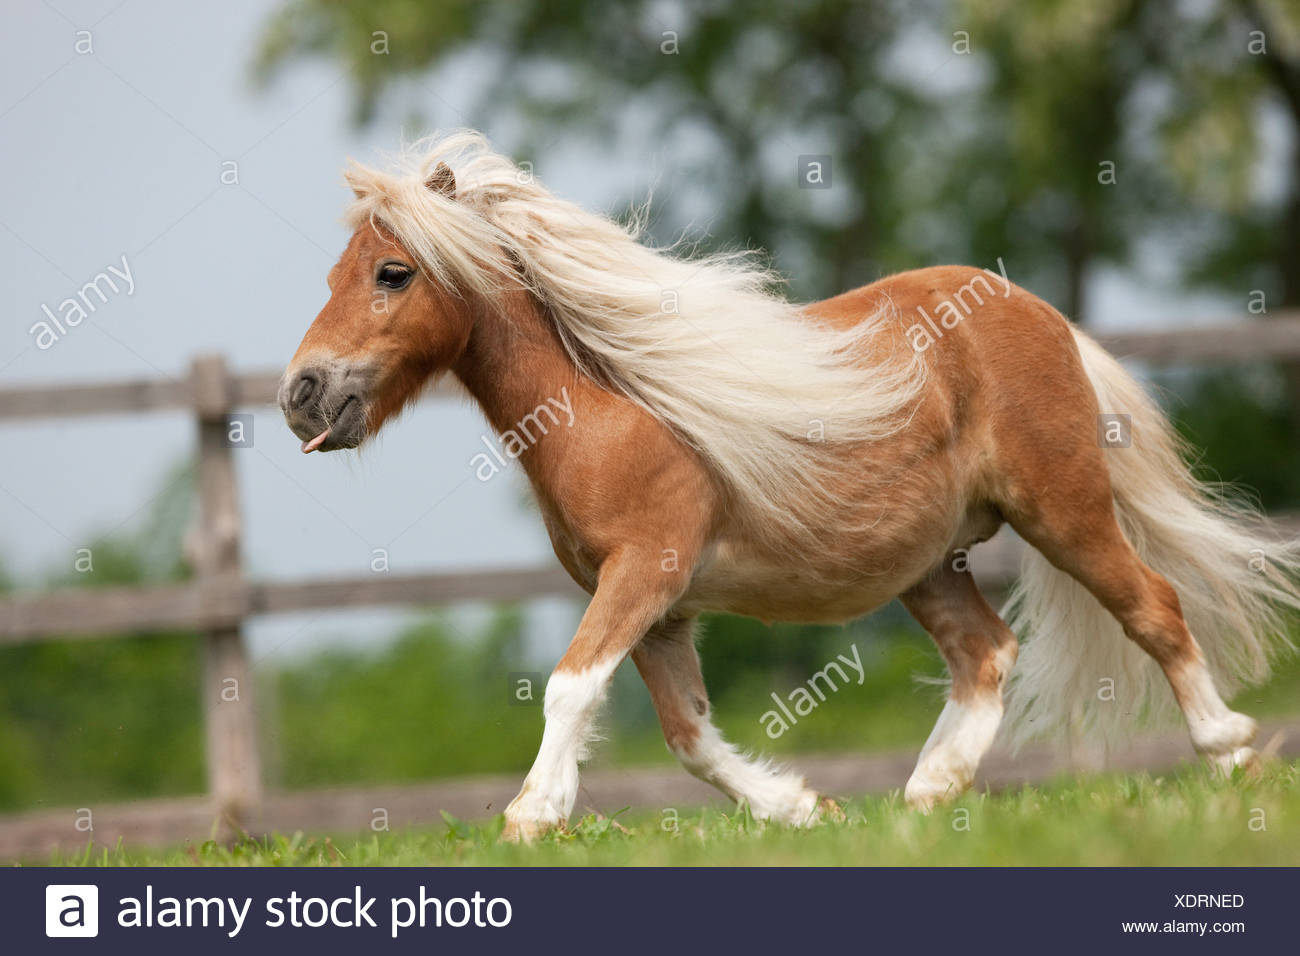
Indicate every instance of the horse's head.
{"type": "Point", "coordinates": [386, 329]}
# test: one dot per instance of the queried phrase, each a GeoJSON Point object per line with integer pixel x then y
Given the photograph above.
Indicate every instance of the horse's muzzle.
{"type": "Point", "coordinates": [324, 407]}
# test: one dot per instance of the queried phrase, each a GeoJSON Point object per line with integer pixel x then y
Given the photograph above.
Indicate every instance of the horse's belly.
{"type": "Point", "coordinates": [789, 592]}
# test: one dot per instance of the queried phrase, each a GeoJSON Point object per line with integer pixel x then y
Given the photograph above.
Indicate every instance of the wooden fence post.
{"type": "Point", "coordinates": [214, 547]}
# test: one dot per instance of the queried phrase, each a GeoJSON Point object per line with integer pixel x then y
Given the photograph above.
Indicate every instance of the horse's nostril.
{"type": "Point", "coordinates": [303, 390]}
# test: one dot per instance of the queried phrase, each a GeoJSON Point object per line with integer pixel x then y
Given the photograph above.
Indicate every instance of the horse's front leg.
{"type": "Point", "coordinates": [632, 593]}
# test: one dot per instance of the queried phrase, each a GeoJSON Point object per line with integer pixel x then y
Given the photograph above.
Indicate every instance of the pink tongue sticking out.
{"type": "Point", "coordinates": [310, 446]}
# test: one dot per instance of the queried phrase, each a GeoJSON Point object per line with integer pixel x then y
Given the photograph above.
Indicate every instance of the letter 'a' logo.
{"type": "Point", "coordinates": [71, 909]}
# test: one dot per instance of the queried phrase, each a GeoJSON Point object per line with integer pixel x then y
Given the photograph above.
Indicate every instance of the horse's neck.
{"type": "Point", "coordinates": [513, 365]}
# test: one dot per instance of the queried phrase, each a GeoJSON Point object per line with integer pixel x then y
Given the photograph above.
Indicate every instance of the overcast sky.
{"type": "Point", "coordinates": [119, 152]}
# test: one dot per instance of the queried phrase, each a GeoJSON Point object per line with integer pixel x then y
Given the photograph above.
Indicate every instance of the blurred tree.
{"type": "Point", "coordinates": [1233, 91]}
{"type": "Point", "coordinates": [1077, 128]}
{"type": "Point", "coordinates": [737, 91]}
{"type": "Point", "coordinates": [1236, 94]}
{"type": "Point", "coordinates": [1046, 174]}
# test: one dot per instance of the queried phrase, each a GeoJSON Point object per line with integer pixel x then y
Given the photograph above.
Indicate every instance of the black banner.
{"type": "Point", "coordinates": [163, 910]}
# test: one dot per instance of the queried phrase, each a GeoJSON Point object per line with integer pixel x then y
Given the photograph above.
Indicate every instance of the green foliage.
{"type": "Point", "coordinates": [1243, 421]}
{"type": "Point", "coordinates": [1186, 819]}
{"type": "Point", "coordinates": [745, 662]}
{"type": "Point", "coordinates": [426, 706]}
{"type": "Point", "coordinates": [82, 721]}
{"type": "Point", "coordinates": [88, 720]}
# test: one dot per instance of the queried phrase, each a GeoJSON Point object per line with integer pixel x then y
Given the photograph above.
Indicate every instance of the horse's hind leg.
{"type": "Point", "coordinates": [670, 667]}
{"type": "Point", "coordinates": [980, 651]}
{"type": "Point", "coordinates": [1080, 536]}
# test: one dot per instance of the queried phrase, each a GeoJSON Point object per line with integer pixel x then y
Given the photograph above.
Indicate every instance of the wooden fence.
{"type": "Point", "coordinates": [220, 598]}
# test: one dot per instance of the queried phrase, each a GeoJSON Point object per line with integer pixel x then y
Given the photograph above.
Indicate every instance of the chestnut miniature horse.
{"type": "Point", "coordinates": [731, 451]}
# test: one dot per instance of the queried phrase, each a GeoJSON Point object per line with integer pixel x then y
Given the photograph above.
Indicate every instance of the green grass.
{"type": "Point", "coordinates": [1187, 819]}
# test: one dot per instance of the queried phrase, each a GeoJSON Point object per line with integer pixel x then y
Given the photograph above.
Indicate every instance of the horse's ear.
{"type": "Point", "coordinates": [358, 184]}
{"type": "Point", "coordinates": [442, 180]}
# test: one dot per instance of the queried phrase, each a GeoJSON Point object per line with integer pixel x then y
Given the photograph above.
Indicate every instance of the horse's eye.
{"type": "Point", "coordinates": [394, 276]}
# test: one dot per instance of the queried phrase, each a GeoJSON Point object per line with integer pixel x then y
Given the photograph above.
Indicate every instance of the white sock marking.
{"type": "Point", "coordinates": [551, 787]}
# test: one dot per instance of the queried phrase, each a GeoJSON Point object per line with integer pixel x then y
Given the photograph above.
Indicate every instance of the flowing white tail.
{"type": "Point", "coordinates": [1235, 575]}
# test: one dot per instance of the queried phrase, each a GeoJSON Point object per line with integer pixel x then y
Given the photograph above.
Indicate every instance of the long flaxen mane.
{"type": "Point", "coordinates": [762, 391]}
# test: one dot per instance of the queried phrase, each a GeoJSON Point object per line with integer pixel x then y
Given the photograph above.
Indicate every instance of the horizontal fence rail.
{"type": "Point", "coordinates": [77, 612]}
{"type": "Point", "coordinates": [220, 599]}
{"type": "Point", "coordinates": [143, 395]}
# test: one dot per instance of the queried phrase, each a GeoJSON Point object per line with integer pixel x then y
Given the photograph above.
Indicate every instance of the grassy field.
{"type": "Point", "coordinates": [1189, 819]}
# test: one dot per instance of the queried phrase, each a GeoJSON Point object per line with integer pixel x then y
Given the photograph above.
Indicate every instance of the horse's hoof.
{"type": "Point", "coordinates": [1224, 737]}
{"type": "Point", "coordinates": [1244, 757]}
{"type": "Point", "coordinates": [924, 795]}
